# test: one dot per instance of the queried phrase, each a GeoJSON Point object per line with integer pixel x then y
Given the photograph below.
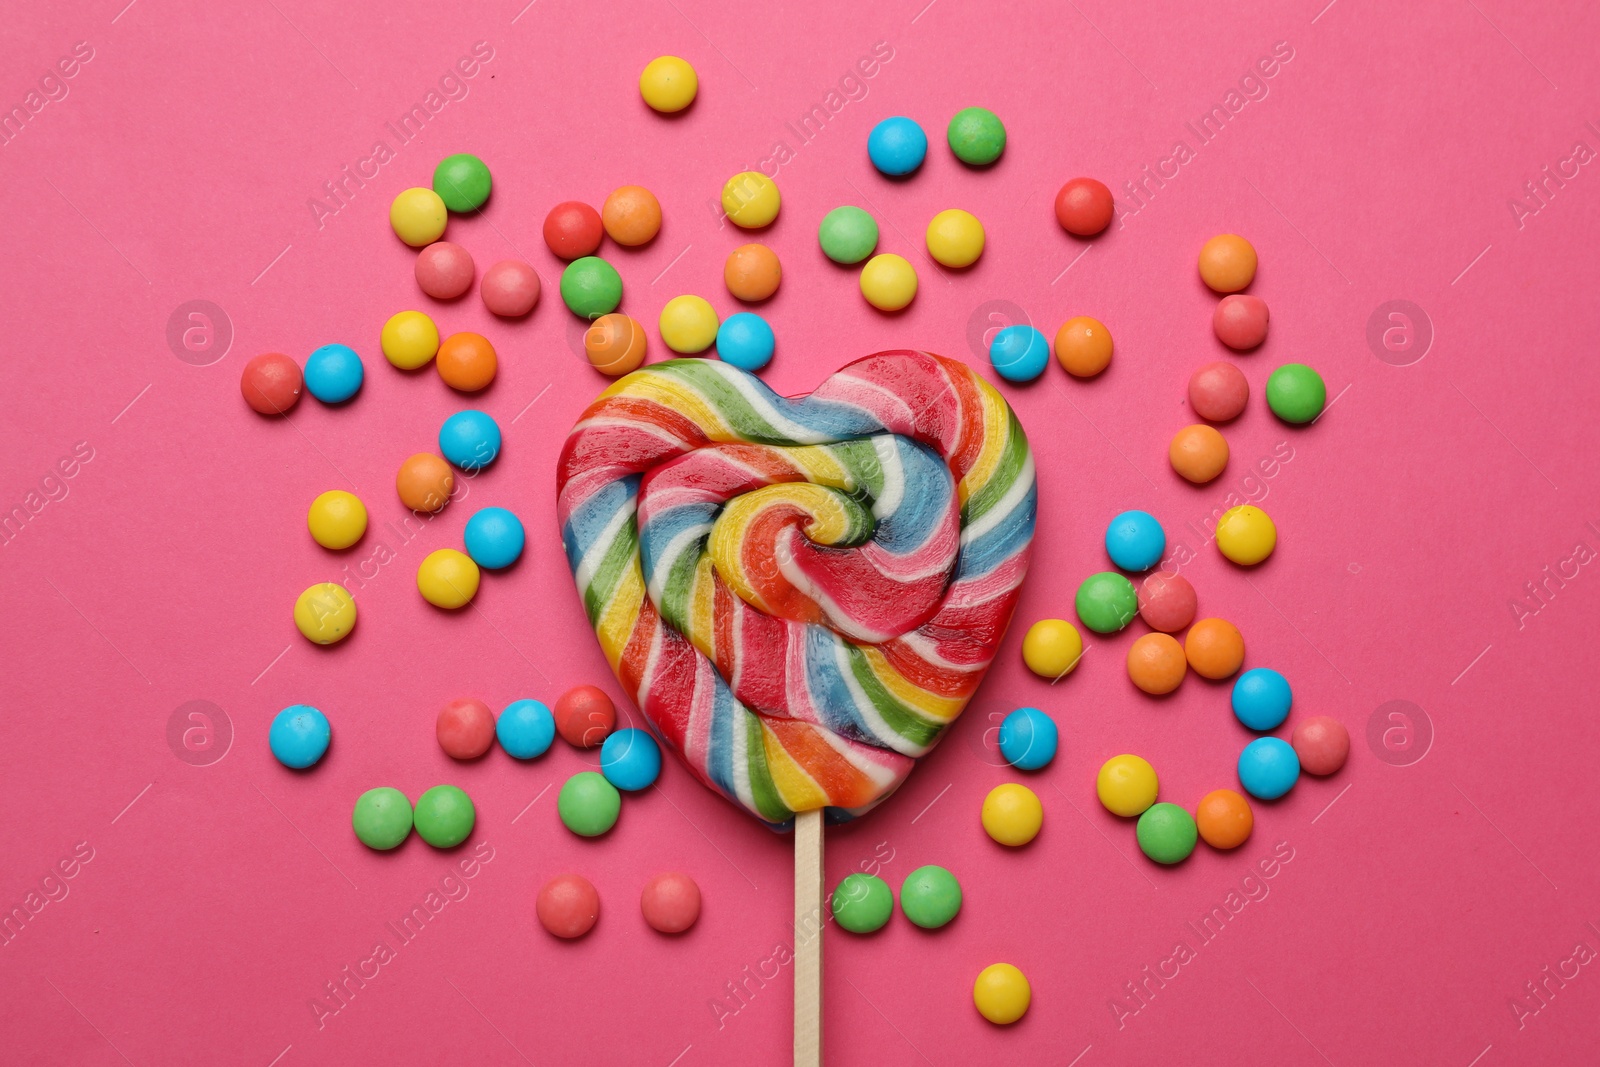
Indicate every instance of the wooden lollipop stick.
{"type": "Point", "coordinates": [808, 924]}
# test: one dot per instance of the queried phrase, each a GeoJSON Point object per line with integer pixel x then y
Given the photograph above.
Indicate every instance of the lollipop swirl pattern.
{"type": "Point", "coordinates": [800, 594]}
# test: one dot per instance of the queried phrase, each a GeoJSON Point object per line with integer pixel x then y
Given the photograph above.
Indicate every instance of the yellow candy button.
{"type": "Point", "coordinates": [668, 84]}
{"type": "Point", "coordinates": [1001, 993]}
{"type": "Point", "coordinates": [1127, 785]}
{"type": "Point", "coordinates": [955, 238]}
{"type": "Point", "coordinates": [337, 519]}
{"type": "Point", "coordinates": [1052, 648]}
{"type": "Point", "coordinates": [888, 282]}
{"type": "Point", "coordinates": [688, 324]}
{"type": "Point", "coordinates": [751, 200]}
{"type": "Point", "coordinates": [409, 340]}
{"type": "Point", "coordinates": [1246, 535]}
{"type": "Point", "coordinates": [1012, 814]}
{"type": "Point", "coordinates": [447, 578]}
{"type": "Point", "coordinates": [325, 613]}
{"type": "Point", "coordinates": [418, 216]}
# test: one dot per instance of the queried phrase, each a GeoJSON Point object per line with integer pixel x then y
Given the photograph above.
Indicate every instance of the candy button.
{"type": "Point", "coordinates": [897, 146]}
{"type": "Point", "coordinates": [631, 760]}
{"type": "Point", "coordinates": [444, 270]}
{"type": "Point", "coordinates": [418, 217]}
{"type": "Point", "coordinates": [631, 215]}
{"type": "Point", "coordinates": [1218, 391]}
{"type": "Point", "coordinates": [847, 235]}
{"type": "Point", "coordinates": [1198, 453]}
{"type": "Point", "coordinates": [1052, 648]}
{"type": "Point", "coordinates": [1268, 768]}
{"type": "Point", "coordinates": [462, 182]}
{"type": "Point", "coordinates": [382, 818]}
{"type": "Point", "coordinates": [751, 200]}
{"type": "Point", "coordinates": [752, 272]}
{"type": "Point", "coordinates": [325, 613]}
{"type": "Point", "coordinates": [336, 519]}
{"type": "Point", "coordinates": [1028, 739]}
{"type": "Point", "coordinates": [1214, 648]}
{"type": "Point", "coordinates": [466, 362]}
{"type": "Point", "coordinates": [1156, 664]}
{"type": "Point", "coordinates": [1295, 393]}
{"type": "Point", "coordinates": [1166, 833]}
{"type": "Point", "coordinates": [1084, 207]}
{"type": "Point", "coordinates": [585, 716]}
{"type": "Point", "coordinates": [1001, 994]}
{"type": "Point", "coordinates": [668, 84]}
{"type": "Point", "coordinates": [862, 903]}
{"type": "Point", "coordinates": [572, 230]}
{"type": "Point", "coordinates": [271, 383]}
{"type": "Point", "coordinates": [465, 728]}
{"type": "Point", "coordinates": [333, 373]}
{"type": "Point", "coordinates": [447, 578]}
{"type": "Point", "coordinates": [444, 816]}
{"type": "Point", "coordinates": [1246, 535]}
{"type": "Point", "coordinates": [1261, 698]}
{"type": "Point", "coordinates": [525, 729]}
{"type": "Point", "coordinates": [955, 238]}
{"type": "Point", "coordinates": [976, 136]}
{"type": "Point", "coordinates": [670, 902]}
{"type": "Point", "coordinates": [494, 538]}
{"type": "Point", "coordinates": [425, 482]}
{"type": "Point", "coordinates": [470, 440]}
{"type": "Point", "coordinates": [510, 289]}
{"type": "Point", "coordinates": [591, 287]}
{"type": "Point", "coordinates": [1240, 321]}
{"type": "Point", "coordinates": [588, 804]}
{"type": "Point", "coordinates": [1019, 353]}
{"type": "Point", "coordinates": [299, 736]}
{"type": "Point", "coordinates": [930, 896]}
{"type": "Point", "coordinates": [568, 906]}
{"type": "Point", "coordinates": [1227, 263]}
{"type": "Point", "coordinates": [1126, 785]}
{"type": "Point", "coordinates": [1166, 602]}
{"type": "Point", "coordinates": [1135, 541]}
{"type": "Point", "coordinates": [1083, 346]}
{"type": "Point", "coordinates": [745, 340]}
{"type": "Point", "coordinates": [615, 344]}
{"type": "Point", "coordinates": [888, 282]}
{"type": "Point", "coordinates": [688, 324]}
{"type": "Point", "coordinates": [1322, 743]}
{"type": "Point", "coordinates": [1224, 819]}
{"type": "Point", "coordinates": [1012, 814]}
{"type": "Point", "coordinates": [1106, 602]}
{"type": "Point", "coordinates": [409, 340]}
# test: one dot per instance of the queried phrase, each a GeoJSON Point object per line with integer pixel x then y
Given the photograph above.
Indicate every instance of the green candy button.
{"type": "Point", "coordinates": [1107, 602]}
{"type": "Point", "coordinates": [977, 136]}
{"type": "Point", "coordinates": [863, 903]}
{"type": "Point", "coordinates": [591, 287]}
{"type": "Point", "coordinates": [589, 804]}
{"type": "Point", "coordinates": [847, 235]}
{"type": "Point", "coordinates": [445, 816]}
{"type": "Point", "coordinates": [1166, 833]}
{"type": "Point", "coordinates": [1295, 393]}
{"type": "Point", "coordinates": [382, 818]}
{"type": "Point", "coordinates": [930, 896]}
{"type": "Point", "coordinates": [462, 182]}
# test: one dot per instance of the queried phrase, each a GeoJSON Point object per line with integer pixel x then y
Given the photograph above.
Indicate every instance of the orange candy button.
{"type": "Point", "coordinates": [466, 361]}
{"type": "Point", "coordinates": [614, 344]}
{"type": "Point", "coordinates": [752, 272]}
{"type": "Point", "coordinates": [425, 482]}
{"type": "Point", "coordinates": [1227, 263]}
{"type": "Point", "coordinates": [1214, 649]}
{"type": "Point", "coordinates": [1198, 453]}
{"type": "Point", "coordinates": [1083, 346]}
{"type": "Point", "coordinates": [1156, 664]}
{"type": "Point", "coordinates": [1224, 819]}
{"type": "Point", "coordinates": [631, 215]}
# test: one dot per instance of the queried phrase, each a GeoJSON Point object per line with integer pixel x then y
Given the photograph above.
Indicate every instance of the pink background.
{"type": "Point", "coordinates": [1421, 895]}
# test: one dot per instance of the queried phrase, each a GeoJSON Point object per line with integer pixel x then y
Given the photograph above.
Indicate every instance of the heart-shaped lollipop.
{"type": "Point", "coordinates": [800, 594]}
